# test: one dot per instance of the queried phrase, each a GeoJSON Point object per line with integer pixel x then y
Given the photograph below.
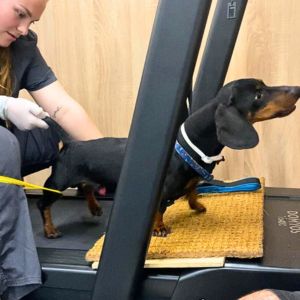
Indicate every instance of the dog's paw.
{"type": "Point", "coordinates": [161, 231]}
{"type": "Point", "coordinates": [197, 206]}
{"type": "Point", "coordinates": [96, 211]}
{"type": "Point", "coordinates": [52, 233]}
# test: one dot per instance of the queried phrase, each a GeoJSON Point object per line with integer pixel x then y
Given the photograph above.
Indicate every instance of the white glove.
{"type": "Point", "coordinates": [23, 113]}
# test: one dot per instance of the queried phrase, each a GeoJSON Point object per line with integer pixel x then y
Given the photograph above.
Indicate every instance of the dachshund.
{"type": "Point", "coordinates": [225, 120]}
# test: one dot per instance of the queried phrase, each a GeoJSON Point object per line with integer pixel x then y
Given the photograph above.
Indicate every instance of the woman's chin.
{"type": "Point", "coordinates": [5, 42]}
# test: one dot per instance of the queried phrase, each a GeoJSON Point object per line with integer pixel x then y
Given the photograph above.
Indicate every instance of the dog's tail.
{"type": "Point", "coordinates": [65, 137]}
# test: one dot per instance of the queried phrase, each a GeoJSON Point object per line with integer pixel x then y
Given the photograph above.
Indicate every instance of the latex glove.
{"type": "Point", "coordinates": [23, 113]}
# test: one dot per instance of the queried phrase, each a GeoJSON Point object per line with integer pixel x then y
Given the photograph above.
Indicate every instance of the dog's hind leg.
{"type": "Point", "coordinates": [93, 204]}
{"type": "Point", "coordinates": [44, 205]}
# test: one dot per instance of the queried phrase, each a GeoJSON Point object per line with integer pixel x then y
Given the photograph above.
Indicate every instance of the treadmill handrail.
{"type": "Point", "coordinates": [170, 62]}
{"type": "Point", "coordinates": [218, 50]}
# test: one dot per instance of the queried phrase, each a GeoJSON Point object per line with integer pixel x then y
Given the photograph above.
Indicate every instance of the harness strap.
{"type": "Point", "coordinates": [205, 158]}
{"type": "Point", "coordinates": [192, 163]}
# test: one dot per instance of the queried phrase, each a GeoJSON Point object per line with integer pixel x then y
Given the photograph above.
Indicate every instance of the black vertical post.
{"type": "Point", "coordinates": [218, 50]}
{"type": "Point", "coordinates": [170, 62]}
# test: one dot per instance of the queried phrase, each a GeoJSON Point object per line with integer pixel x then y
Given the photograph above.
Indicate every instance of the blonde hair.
{"type": "Point", "coordinates": [5, 72]}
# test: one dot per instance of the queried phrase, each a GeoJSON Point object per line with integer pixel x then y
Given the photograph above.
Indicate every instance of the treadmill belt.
{"type": "Point", "coordinates": [81, 230]}
{"type": "Point", "coordinates": [62, 256]}
{"type": "Point", "coordinates": [71, 216]}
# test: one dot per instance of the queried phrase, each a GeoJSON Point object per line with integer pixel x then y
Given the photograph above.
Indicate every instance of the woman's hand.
{"type": "Point", "coordinates": [23, 113]}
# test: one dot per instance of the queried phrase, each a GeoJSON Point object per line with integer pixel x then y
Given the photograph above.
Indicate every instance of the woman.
{"type": "Point", "coordinates": [22, 67]}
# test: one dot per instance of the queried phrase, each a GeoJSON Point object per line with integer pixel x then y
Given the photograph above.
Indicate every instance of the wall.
{"type": "Point", "coordinates": [97, 49]}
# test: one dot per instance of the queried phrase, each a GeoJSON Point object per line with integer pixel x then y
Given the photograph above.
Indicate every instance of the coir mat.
{"type": "Point", "coordinates": [232, 226]}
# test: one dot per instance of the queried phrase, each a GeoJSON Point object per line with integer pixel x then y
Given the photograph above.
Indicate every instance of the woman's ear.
{"type": "Point", "coordinates": [233, 129]}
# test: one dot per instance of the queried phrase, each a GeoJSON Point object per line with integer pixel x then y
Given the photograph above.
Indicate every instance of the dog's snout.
{"type": "Point", "coordinates": [295, 91]}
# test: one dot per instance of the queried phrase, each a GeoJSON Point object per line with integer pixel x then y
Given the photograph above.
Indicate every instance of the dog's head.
{"type": "Point", "coordinates": [246, 101]}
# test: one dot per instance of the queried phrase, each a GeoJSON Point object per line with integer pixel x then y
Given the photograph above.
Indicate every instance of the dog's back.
{"type": "Point", "coordinates": [95, 161]}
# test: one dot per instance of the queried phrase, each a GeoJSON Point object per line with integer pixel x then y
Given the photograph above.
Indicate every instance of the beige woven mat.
{"type": "Point", "coordinates": [231, 227]}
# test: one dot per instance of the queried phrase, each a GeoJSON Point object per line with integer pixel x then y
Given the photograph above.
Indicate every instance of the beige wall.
{"type": "Point", "coordinates": [97, 49]}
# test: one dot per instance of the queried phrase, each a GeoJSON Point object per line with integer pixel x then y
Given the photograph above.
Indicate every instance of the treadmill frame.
{"type": "Point", "coordinates": [171, 55]}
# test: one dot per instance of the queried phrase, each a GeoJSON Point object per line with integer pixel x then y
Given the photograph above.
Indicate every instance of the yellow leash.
{"type": "Point", "coordinates": [10, 180]}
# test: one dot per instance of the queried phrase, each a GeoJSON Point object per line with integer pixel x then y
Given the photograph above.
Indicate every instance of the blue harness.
{"type": "Point", "coordinates": [192, 163]}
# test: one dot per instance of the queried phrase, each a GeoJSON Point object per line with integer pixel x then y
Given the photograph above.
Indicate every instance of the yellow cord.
{"type": "Point", "coordinates": [9, 180]}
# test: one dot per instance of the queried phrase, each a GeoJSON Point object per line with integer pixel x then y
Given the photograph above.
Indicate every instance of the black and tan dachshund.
{"type": "Point", "coordinates": [225, 121]}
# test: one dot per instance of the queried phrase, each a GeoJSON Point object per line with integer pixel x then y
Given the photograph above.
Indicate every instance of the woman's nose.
{"type": "Point", "coordinates": [23, 28]}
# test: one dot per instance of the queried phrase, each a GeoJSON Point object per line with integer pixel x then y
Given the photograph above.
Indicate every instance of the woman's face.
{"type": "Point", "coordinates": [16, 16]}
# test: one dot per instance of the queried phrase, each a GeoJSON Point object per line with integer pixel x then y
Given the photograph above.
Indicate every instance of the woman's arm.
{"type": "Point", "coordinates": [261, 295]}
{"type": "Point", "coordinates": [272, 295]}
{"type": "Point", "coordinates": [66, 112]}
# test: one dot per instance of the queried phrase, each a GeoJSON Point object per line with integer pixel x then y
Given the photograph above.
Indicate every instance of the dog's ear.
{"type": "Point", "coordinates": [233, 130]}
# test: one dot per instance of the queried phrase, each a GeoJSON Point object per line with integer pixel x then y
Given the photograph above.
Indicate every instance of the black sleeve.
{"type": "Point", "coordinates": [30, 70]}
{"type": "Point", "coordinates": [38, 74]}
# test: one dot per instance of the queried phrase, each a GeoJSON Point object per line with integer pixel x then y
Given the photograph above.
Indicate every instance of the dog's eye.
{"type": "Point", "coordinates": [258, 94]}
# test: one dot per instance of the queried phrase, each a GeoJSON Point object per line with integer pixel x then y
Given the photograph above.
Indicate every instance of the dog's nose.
{"type": "Point", "coordinates": [295, 91]}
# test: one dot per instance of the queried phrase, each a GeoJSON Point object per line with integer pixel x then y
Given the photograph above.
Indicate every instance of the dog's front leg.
{"type": "Point", "coordinates": [159, 228]}
{"type": "Point", "coordinates": [194, 203]}
{"type": "Point", "coordinates": [193, 197]}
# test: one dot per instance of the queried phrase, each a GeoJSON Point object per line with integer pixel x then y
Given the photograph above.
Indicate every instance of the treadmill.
{"type": "Point", "coordinates": [128, 214]}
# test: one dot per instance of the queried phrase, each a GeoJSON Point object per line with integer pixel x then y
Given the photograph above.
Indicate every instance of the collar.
{"type": "Point", "coordinates": [204, 158]}
{"type": "Point", "coordinates": [192, 163]}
